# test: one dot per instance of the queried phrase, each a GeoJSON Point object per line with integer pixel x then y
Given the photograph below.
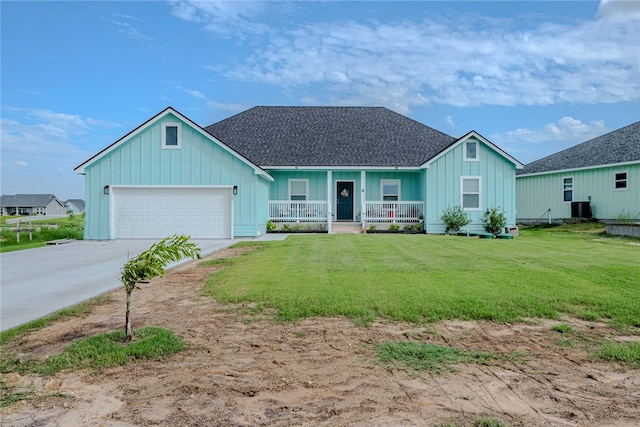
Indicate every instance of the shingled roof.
{"type": "Point", "coordinates": [619, 146]}
{"type": "Point", "coordinates": [330, 136]}
{"type": "Point", "coordinates": [28, 200]}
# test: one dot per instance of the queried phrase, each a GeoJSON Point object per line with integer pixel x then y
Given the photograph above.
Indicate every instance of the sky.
{"type": "Point", "coordinates": [532, 77]}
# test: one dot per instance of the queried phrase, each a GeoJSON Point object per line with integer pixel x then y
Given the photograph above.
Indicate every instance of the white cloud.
{"type": "Point", "coordinates": [193, 92]}
{"type": "Point", "coordinates": [227, 18]}
{"type": "Point", "coordinates": [45, 135]}
{"type": "Point", "coordinates": [567, 129]}
{"type": "Point", "coordinates": [406, 64]}
{"type": "Point", "coordinates": [532, 144]}
{"type": "Point", "coordinates": [619, 9]}
{"type": "Point", "coordinates": [21, 163]}
{"type": "Point", "coordinates": [127, 28]}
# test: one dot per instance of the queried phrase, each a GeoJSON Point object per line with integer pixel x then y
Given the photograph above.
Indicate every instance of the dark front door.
{"type": "Point", "coordinates": [344, 193]}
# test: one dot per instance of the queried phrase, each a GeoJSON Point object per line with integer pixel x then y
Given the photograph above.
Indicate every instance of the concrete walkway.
{"type": "Point", "coordinates": [37, 282]}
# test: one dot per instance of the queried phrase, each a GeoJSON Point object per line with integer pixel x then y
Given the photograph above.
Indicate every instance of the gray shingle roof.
{"type": "Point", "coordinates": [27, 200]}
{"type": "Point", "coordinates": [78, 203]}
{"type": "Point", "coordinates": [619, 146]}
{"type": "Point", "coordinates": [329, 136]}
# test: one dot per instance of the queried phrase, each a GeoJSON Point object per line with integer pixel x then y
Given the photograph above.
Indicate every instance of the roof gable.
{"type": "Point", "coordinates": [78, 203]}
{"type": "Point", "coordinates": [476, 135]}
{"type": "Point", "coordinates": [155, 119]}
{"type": "Point", "coordinates": [330, 136]}
{"type": "Point", "coordinates": [619, 146]}
{"type": "Point", "coordinates": [28, 200]}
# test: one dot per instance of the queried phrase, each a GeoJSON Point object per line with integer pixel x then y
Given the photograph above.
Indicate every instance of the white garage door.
{"type": "Point", "coordinates": [156, 212]}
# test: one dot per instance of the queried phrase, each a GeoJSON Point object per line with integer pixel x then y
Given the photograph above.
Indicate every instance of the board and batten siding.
{"type": "Point", "coordinates": [279, 188]}
{"type": "Point", "coordinates": [537, 193]}
{"type": "Point", "coordinates": [411, 184]}
{"type": "Point", "coordinates": [443, 186]}
{"type": "Point", "coordinates": [141, 161]}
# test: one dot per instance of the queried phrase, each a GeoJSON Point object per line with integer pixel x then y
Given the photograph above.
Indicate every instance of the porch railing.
{"type": "Point", "coordinates": [409, 211]}
{"type": "Point", "coordinates": [298, 211]}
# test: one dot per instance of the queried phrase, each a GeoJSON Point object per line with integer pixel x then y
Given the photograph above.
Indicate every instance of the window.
{"type": "Point", "coordinates": [567, 189]}
{"type": "Point", "coordinates": [171, 135]}
{"type": "Point", "coordinates": [298, 189]}
{"type": "Point", "coordinates": [390, 190]}
{"type": "Point", "coordinates": [470, 192]}
{"type": "Point", "coordinates": [471, 151]}
{"type": "Point", "coordinates": [620, 181]}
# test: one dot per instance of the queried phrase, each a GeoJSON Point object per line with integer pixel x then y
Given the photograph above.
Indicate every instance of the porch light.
{"type": "Point", "coordinates": [105, 190]}
{"type": "Point", "coordinates": [235, 190]}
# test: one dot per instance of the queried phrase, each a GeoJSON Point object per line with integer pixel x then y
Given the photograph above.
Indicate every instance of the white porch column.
{"type": "Point", "coordinates": [329, 200]}
{"type": "Point", "coordinates": [363, 198]}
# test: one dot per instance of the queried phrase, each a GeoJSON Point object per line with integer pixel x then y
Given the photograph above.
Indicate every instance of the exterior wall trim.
{"type": "Point", "coordinates": [476, 135]}
{"type": "Point", "coordinates": [610, 165]}
{"type": "Point", "coordinates": [80, 169]}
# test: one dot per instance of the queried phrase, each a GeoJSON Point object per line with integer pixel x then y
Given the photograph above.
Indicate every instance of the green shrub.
{"type": "Point", "coordinates": [394, 227]}
{"type": "Point", "coordinates": [454, 219]}
{"type": "Point", "coordinates": [372, 227]}
{"type": "Point", "coordinates": [494, 221]}
{"type": "Point", "coordinates": [271, 226]}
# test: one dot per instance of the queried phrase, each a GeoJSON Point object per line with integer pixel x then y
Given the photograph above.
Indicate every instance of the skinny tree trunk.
{"type": "Point", "coordinates": [127, 328]}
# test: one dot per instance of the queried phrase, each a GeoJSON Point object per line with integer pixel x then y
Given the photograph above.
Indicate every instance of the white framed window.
{"type": "Point", "coordinates": [471, 193]}
{"type": "Point", "coordinates": [567, 189]}
{"type": "Point", "coordinates": [471, 151]}
{"type": "Point", "coordinates": [620, 181]}
{"type": "Point", "coordinates": [390, 190]}
{"type": "Point", "coordinates": [171, 135]}
{"type": "Point", "coordinates": [298, 189]}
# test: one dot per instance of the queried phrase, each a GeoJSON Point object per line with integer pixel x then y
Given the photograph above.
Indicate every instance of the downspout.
{"type": "Point", "coordinates": [363, 196]}
{"type": "Point", "coordinates": [329, 201]}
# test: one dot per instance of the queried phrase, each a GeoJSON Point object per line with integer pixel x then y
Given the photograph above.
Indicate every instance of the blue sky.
{"type": "Point", "coordinates": [533, 77]}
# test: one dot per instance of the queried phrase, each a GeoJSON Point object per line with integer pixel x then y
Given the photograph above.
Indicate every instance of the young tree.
{"type": "Point", "coordinates": [454, 218]}
{"type": "Point", "coordinates": [151, 263]}
{"type": "Point", "coordinates": [494, 221]}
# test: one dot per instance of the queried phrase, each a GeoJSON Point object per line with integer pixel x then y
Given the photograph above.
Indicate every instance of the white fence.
{"type": "Point", "coordinates": [298, 211]}
{"type": "Point", "coordinates": [316, 211]}
{"type": "Point", "coordinates": [410, 211]}
{"type": "Point", "coordinates": [33, 218]}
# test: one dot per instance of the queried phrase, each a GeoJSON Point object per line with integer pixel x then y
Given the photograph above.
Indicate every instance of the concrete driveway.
{"type": "Point", "coordinates": [37, 282]}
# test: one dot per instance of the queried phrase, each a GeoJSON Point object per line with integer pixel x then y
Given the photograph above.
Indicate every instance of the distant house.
{"type": "Point", "coordinates": [309, 166]}
{"type": "Point", "coordinates": [599, 178]}
{"type": "Point", "coordinates": [75, 206]}
{"type": "Point", "coordinates": [32, 204]}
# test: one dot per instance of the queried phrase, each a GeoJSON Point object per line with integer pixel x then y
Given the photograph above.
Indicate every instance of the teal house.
{"type": "Point", "coordinates": [308, 168]}
{"type": "Point", "coordinates": [599, 178]}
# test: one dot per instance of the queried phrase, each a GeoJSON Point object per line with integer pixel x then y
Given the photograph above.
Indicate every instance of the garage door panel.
{"type": "Point", "coordinates": [159, 212]}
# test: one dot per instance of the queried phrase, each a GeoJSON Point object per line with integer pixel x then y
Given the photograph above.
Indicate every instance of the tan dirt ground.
{"type": "Point", "coordinates": [244, 369]}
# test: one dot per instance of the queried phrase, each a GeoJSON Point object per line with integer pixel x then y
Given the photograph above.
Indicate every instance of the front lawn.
{"type": "Point", "coordinates": [423, 278]}
{"type": "Point", "coordinates": [44, 230]}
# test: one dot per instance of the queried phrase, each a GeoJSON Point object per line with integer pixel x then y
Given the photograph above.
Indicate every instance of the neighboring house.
{"type": "Point", "coordinates": [75, 206]}
{"type": "Point", "coordinates": [313, 165]}
{"type": "Point", "coordinates": [31, 204]}
{"type": "Point", "coordinates": [599, 178]}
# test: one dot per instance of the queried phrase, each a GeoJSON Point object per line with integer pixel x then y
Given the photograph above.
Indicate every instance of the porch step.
{"type": "Point", "coordinates": [346, 228]}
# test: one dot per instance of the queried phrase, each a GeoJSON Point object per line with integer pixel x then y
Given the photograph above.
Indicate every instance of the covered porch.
{"type": "Point", "coordinates": [328, 197]}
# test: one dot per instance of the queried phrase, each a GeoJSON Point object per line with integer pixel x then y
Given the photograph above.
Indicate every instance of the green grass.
{"type": "Point", "coordinates": [68, 228]}
{"type": "Point", "coordinates": [562, 328]}
{"type": "Point", "coordinates": [625, 353]}
{"type": "Point", "coordinates": [101, 351]}
{"type": "Point", "coordinates": [433, 357]}
{"type": "Point", "coordinates": [544, 273]}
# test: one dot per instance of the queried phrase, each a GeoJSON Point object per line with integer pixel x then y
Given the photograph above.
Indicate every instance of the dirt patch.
{"type": "Point", "coordinates": [243, 369]}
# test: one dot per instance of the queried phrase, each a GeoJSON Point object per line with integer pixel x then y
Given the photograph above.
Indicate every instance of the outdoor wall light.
{"type": "Point", "coordinates": [105, 190]}
{"type": "Point", "coordinates": [235, 190]}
